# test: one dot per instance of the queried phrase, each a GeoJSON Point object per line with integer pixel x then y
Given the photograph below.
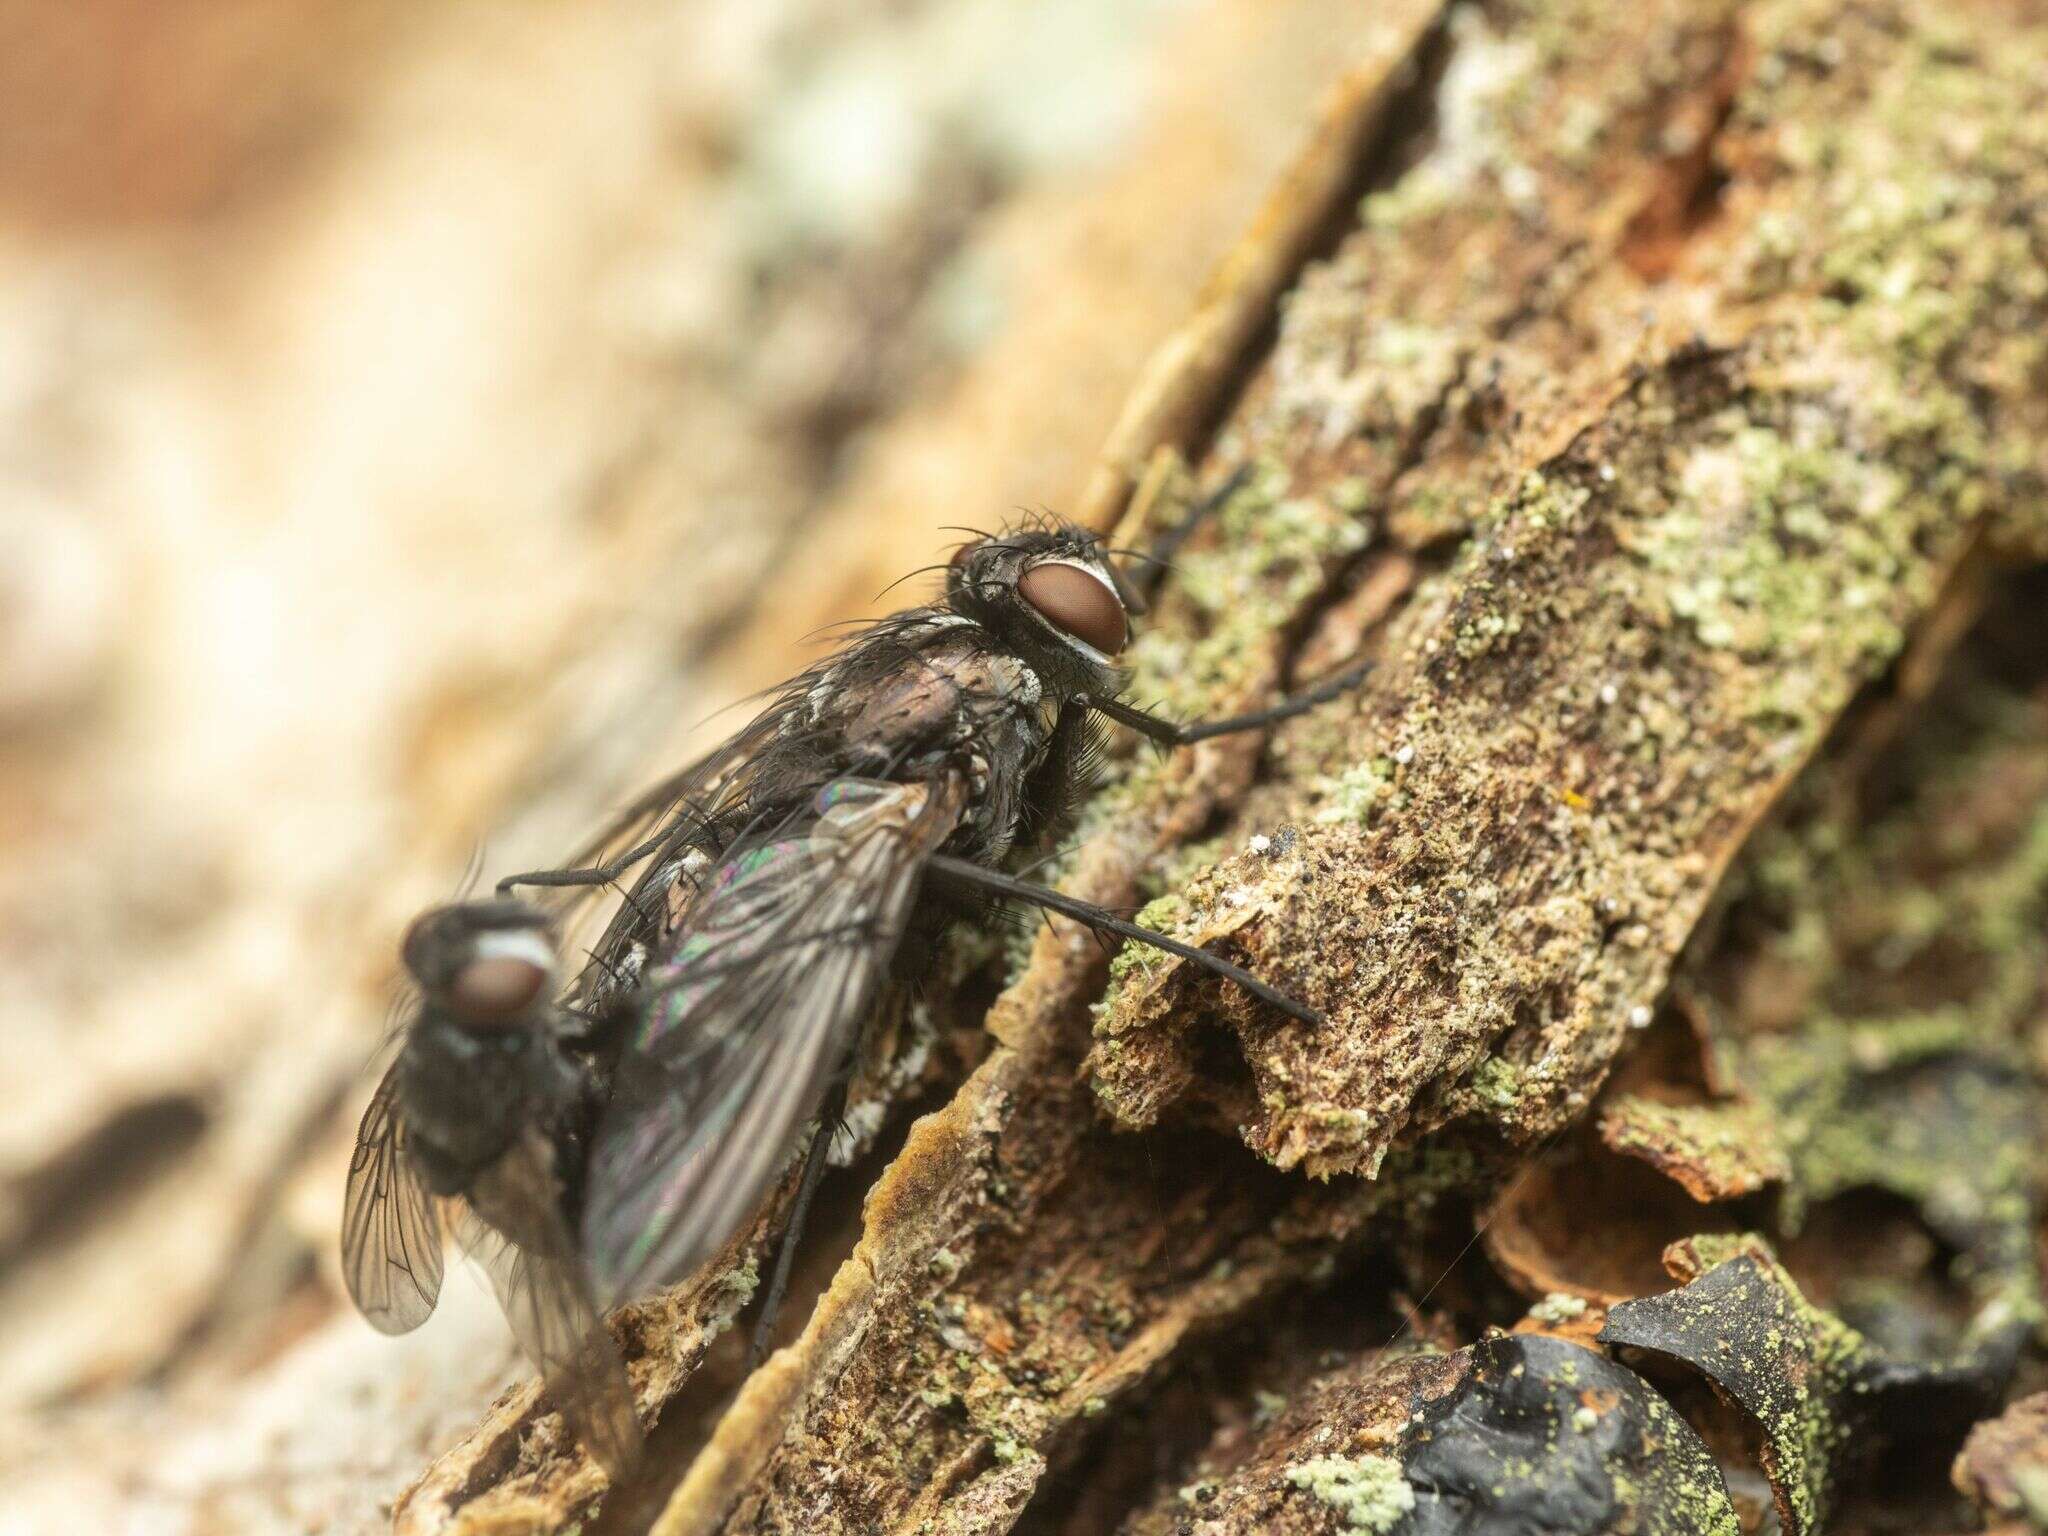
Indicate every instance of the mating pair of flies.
{"type": "Point", "coordinates": [596, 1139]}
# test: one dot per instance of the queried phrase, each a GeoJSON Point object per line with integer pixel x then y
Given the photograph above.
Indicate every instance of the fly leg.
{"type": "Point", "coordinates": [607, 873]}
{"type": "Point", "coordinates": [799, 1212]}
{"type": "Point", "coordinates": [595, 874]}
{"type": "Point", "coordinates": [1171, 733]}
{"type": "Point", "coordinates": [1102, 920]}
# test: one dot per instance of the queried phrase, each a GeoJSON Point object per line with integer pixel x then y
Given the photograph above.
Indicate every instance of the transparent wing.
{"type": "Point", "coordinates": [651, 836]}
{"type": "Point", "coordinates": [778, 962]}
{"type": "Point", "coordinates": [515, 1231]}
{"type": "Point", "coordinates": [390, 1230]}
{"type": "Point", "coordinates": [649, 845]}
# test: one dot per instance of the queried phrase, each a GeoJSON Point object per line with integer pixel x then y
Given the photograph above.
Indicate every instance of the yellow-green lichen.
{"type": "Point", "coordinates": [1369, 1492]}
{"type": "Point", "coordinates": [1558, 1307]}
{"type": "Point", "coordinates": [1496, 1083]}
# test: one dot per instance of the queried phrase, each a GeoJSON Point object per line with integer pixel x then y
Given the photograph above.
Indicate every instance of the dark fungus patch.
{"type": "Point", "coordinates": [1543, 1435]}
{"type": "Point", "coordinates": [1513, 1435]}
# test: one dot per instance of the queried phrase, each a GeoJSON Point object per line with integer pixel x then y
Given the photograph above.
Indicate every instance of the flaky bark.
{"type": "Point", "coordinates": [1679, 379]}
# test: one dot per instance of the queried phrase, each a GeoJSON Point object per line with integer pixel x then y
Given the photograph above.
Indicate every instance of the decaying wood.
{"type": "Point", "coordinates": [1677, 367]}
{"type": "Point", "coordinates": [1665, 420]}
{"type": "Point", "coordinates": [417, 457]}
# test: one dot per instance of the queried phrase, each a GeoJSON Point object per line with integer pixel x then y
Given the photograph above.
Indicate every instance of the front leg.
{"type": "Point", "coordinates": [1173, 734]}
{"type": "Point", "coordinates": [595, 874]}
{"type": "Point", "coordinates": [1010, 888]}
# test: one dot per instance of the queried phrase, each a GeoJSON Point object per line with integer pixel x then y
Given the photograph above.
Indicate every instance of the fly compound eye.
{"type": "Point", "coordinates": [493, 990]}
{"type": "Point", "coordinates": [1075, 601]}
{"type": "Point", "coordinates": [488, 977]}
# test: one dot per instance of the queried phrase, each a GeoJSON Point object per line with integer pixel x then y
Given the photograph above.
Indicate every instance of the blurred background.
{"type": "Point", "coordinates": [414, 422]}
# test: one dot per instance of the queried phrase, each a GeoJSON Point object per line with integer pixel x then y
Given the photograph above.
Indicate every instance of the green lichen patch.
{"type": "Point", "coordinates": [1558, 1307]}
{"type": "Point", "coordinates": [1747, 495]}
{"type": "Point", "coordinates": [1369, 1492]}
{"type": "Point", "coordinates": [1236, 590]}
{"type": "Point", "coordinates": [1713, 1151]}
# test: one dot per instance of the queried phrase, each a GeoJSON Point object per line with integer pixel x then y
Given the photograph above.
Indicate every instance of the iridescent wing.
{"type": "Point", "coordinates": [649, 845]}
{"type": "Point", "coordinates": [390, 1230]}
{"type": "Point", "coordinates": [514, 1229]}
{"type": "Point", "coordinates": [777, 963]}
{"type": "Point", "coordinates": [650, 838]}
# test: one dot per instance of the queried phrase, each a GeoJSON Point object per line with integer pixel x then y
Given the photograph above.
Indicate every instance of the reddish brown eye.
{"type": "Point", "coordinates": [1078, 604]}
{"type": "Point", "coordinates": [495, 989]}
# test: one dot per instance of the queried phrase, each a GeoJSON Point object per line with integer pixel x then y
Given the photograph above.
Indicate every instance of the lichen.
{"type": "Point", "coordinates": [1558, 1307]}
{"type": "Point", "coordinates": [1496, 1083]}
{"type": "Point", "coordinates": [1472, 138]}
{"type": "Point", "coordinates": [1235, 591]}
{"type": "Point", "coordinates": [1354, 794]}
{"type": "Point", "coordinates": [1369, 1492]}
{"type": "Point", "coordinates": [740, 1283]}
{"type": "Point", "coordinates": [1919, 954]}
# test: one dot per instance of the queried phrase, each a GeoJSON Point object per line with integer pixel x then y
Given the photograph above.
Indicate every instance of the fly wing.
{"type": "Point", "coordinates": [390, 1229]}
{"type": "Point", "coordinates": [657, 845]}
{"type": "Point", "coordinates": [653, 835]}
{"type": "Point", "coordinates": [777, 964]}
{"type": "Point", "coordinates": [515, 1230]}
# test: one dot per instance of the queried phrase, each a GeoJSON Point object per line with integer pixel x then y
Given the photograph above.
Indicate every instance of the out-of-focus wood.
{"type": "Point", "coordinates": [1182, 383]}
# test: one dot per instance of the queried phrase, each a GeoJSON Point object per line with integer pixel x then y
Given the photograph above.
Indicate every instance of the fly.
{"type": "Point", "coordinates": [617, 1137]}
{"type": "Point", "coordinates": [781, 876]}
{"type": "Point", "coordinates": [470, 1128]}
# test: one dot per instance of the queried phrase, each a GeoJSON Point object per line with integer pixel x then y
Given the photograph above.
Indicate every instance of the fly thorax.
{"type": "Point", "coordinates": [463, 1097]}
{"type": "Point", "coordinates": [1016, 682]}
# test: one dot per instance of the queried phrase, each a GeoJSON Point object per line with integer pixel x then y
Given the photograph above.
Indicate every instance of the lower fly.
{"type": "Point", "coordinates": [471, 1129]}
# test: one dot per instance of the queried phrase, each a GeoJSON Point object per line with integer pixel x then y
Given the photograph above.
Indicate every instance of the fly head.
{"type": "Point", "coordinates": [1052, 596]}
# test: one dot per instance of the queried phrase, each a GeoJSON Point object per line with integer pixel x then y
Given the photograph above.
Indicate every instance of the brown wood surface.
{"type": "Point", "coordinates": [1659, 393]}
